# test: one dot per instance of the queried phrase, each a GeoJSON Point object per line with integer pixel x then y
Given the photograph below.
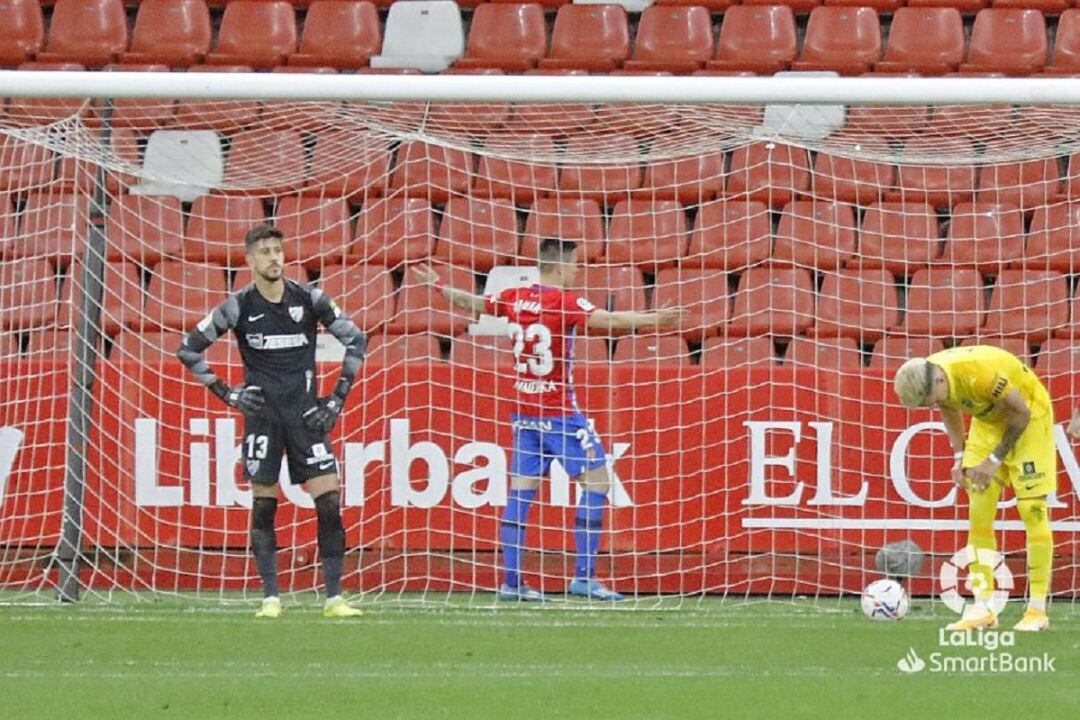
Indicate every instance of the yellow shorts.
{"type": "Point", "coordinates": [1031, 468]}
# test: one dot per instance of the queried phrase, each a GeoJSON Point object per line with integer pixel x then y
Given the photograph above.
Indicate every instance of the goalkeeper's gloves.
{"type": "Point", "coordinates": [248, 399]}
{"type": "Point", "coordinates": [323, 415]}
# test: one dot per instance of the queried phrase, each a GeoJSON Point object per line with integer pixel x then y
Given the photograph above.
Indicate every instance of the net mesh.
{"type": "Point", "coordinates": [758, 451]}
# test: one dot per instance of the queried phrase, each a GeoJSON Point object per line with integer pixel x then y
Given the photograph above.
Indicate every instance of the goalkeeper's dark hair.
{"type": "Point", "coordinates": [554, 250]}
{"type": "Point", "coordinates": [261, 232]}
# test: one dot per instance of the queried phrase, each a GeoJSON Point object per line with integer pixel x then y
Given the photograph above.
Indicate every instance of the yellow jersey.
{"type": "Point", "coordinates": [982, 375]}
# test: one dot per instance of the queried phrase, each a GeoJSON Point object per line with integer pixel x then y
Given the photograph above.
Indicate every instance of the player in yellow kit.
{"type": "Point", "coordinates": [1010, 444]}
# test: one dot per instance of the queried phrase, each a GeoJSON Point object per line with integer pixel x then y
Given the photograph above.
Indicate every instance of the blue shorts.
{"type": "Point", "coordinates": [569, 439]}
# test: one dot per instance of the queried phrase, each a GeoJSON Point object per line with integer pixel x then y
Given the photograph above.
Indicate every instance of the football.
{"type": "Point", "coordinates": [885, 600]}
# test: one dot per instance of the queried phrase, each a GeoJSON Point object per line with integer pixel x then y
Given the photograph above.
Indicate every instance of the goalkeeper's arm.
{"type": "Point", "coordinates": [222, 319]}
{"type": "Point", "coordinates": [324, 415]}
{"type": "Point", "coordinates": [461, 298]}
{"type": "Point", "coordinates": [632, 320]}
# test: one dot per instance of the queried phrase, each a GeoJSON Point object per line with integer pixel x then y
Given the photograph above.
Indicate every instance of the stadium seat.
{"type": "Point", "coordinates": [591, 350]}
{"type": "Point", "coordinates": [964, 121]}
{"type": "Point", "coordinates": [1007, 40]}
{"type": "Point", "coordinates": [422, 308]}
{"type": "Point", "coordinates": [24, 31]}
{"type": "Point", "coordinates": [474, 119]}
{"type": "Point", "coordinates": [673, 39]}
{"type": "Point", "coordinates": [91, 33]}
{"type": "Point", "coordinates": [1029, 185]}
{"type": "Point", "coordinates": [363, 292]}
{"type": "Point", "coordinates": [48, 220]}
{"type": "Point", "coordinates": [652, 350]}
{"type": "Point", "coordinates": [851, 180]}
{"type": "Point", "coordinates": [517, 180]}
{"type": "Point", "coordinates": [941, 186]}
{"type": "Point", "coordinates": [926, 40]}
{"type": "Point", "coordinates": [845, 40]}
{"type": "Point", "coordinates": [265, 162]}
{"type": "Point", "coordinates": [478, 233]}
{"type": "Point", "coordinates": [713, 6]}
{"type": "Point", "coordinates": [144, 229]}
{"type": "Point", "coordinates": [24, 165]}
{"type": "Point", "coordinates": [122, 299]}
{"type": "Point", "coordinates": [605, 182]}
{"type": "Point", "coordinates": [1053, 242]}
{"type": "Point", "coordinates": [1018, 346]}
{"type": "Point", "coordinates": [756, 39]}
{"type": "Point", "coordinates": [41, 111]}
{"type": "Point", "coordinates": [1071, 187]}
{"type": "Point", "coordinates": [176, 33]}
{"type": "Point", "coordinates": [737, 352]}
{"type": "Point", "coordinates": [257, 33]}
{"type": "Point", "coordinates": [900, 237]}
{"type": "Point", "coordinates": [493, 352]}
{"type": "Point", "coordinates": [861, 304]}
{"type": "Point", "coordinates": [702, 294]}
{"type": "Point", "coordinates": [1032, 304]}
{"type": "Point", "coordinates": [7, 224]}
{"type": "Point", "coordinates": [887, 122]}
{"type": "Point", "coordinates": [1066, 57]}
{"type": "Point", "coordinates": [348, 163]}
{"type": "Point", "coordinates": [432, 171]}
{"type": "Point", "coordinates": [827, 353]}
{"type": "Point", "coordinates": [510, 37]}
{"type": "Point", "coordinates": [394, 230]}
{"type": "Point", "coordinates": [944, 302]}
{"type": "Point", "coordinates": [217, 225]}
{"type": "Point", "coordinates": [317, 230]}
{"type": "Point", "coordinates": [341, 34]}
{"type": "Point", "coordinates": [144, 115]}
{"type": "Point", "coordinates": [964, 6]}
{"type": "Point", "coordinates": [612, 287]}
{"type": "Point", "coordinates": [29, 294]}
{"type": "Point", "coordinates": [650, 233]}
{"type": "Point", "coordinates": [50, 344]}
{"type": "Point", "coordinates": [815, 234]}
{"type": "Point", "coordinates": [566, 219]}
{"type": "Point", "coordinates": [730, 234]}
{"type": "Point", "coordinates": [1058, 356]}
{"type": "Point", "coordinates": [691, 181]}
{"type": "Point", "coordinates": [893, 351]}
{"type": "Point", "coordinates": [214, 115]}
{"type": "Point", "coordinates": [427, 35]}
{"type": "Point", "coordinates": [180, 294]}
{"type": "Point", "coordinates": [769, 172]}
{"type": "Point", "coordinates": [772, 301]}
{"type": "Point", "coordinates": [388, 350]}
{"type": "Point", "coordinates": [985, 235]}
{"type": "Point", "coordinates": [799, 6]}
{"type": "Point", "coordinates": [594, 38]}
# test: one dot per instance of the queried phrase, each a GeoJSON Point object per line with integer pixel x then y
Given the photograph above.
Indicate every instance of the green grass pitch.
{"type": "Point", "coordinates": [706, 659]}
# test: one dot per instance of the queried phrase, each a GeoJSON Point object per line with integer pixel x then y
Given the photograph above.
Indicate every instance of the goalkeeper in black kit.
{"type": "Point", "coordinates": [275, 321]}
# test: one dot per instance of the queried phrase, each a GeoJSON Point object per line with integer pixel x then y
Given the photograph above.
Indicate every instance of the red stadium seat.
{"type": "Point", "coordinates": [1072, 178]}
{"type": "Point", "coordinates": [256, 33]}
{"type": "Point", "coordinates": [517, 180]}
{"type": "Point", "coordinates": [88, 32]}
{"type": "Point", "coordinates": [227, 117]}
{"type": "Point", "coordinates": [1029, 185]}
{"type": "Point", "coordinates": [7, 225]}
{"type": "Point", "coordinates": [144, 229]}
{"type": "Point", "coordinates": [180, 294]}
{"type": "Point", "coordinates": [702, 294]}
{"type": "Point", "coordinates": [772, 301]}
{"type": "Point", "coordinates": [730, 234]}
{"type": "Point", "coordinates": [144, 115]}
{"type": "Point", "coordinates": [317, 230]}
{"type": "Point", "coordinates": [122, 299]}
{"type": "Point", "coordinates": [41, 111]}
{"type": "Point", "coordinates": [388, 350]}
{"type": "Point", "coordinates": [737, 352]}
{"type": "Point", "coordinates": [509, 37]}
{"type": "Point", "coordinates": [652, 350]}
{"type": "Point", "coordinates": [266, 162]}
{"type": "Point", "coordinates": [756, 39]}
{"type": "Point", "coordinates": [848, 179]}
{"type": "Point", "coordinates": [48, 219]}
{"type": "Point", "coordinates": [478, 120]}
{"type": "Point", "coordinates": [941, 186]}
{"type": "Point", "coordinates": [612, 287]}
{"type": "Point", "coordinates": [348, 163]}
{"type": "Point", "coordinates": [172, 32]}
{"type": "Point", "coordinates": [832, 353]}
{"type": "Point", "coordinates": [1050, 7]}
{"type": "Point", "coordinates": [363, 292]}
{"type": "Point", "coordinates": [985, 235]}
{"type": "Point", "coordinates": [1058, 356]}
{"type": "Point", "coordinates": [478, 233]}
{"type": "Point", "coordinates": [57, 344]}
{"type": "Point", "coordinates": [860, 304]}
{"type": "Point", "coordinates": [595, 38]}
{"type": "Point", "coordinates": [815, 234]}
{"type": "Point", "coordinates": [900, 237]}
{"type": "Point", "coordinates": [432, 171]}
{"type": "Point", "coordinates": [845, 40]}
{"type": "Point", "coordinates": [647, 232]}
{"type": "Point", "coordinates": [605, 182]}
{"type": "Point", "coordinates": [24, 31]}
{"type": "Point", "coordinates": [691, 181]}
{"type": "Point", "coordinates": [394, 230]}
{"type": "Point", "coordinates": [1007, 40]}
{"type": "Point", "coordinates": [944, 302]}
{"type": "Point", "coordinates": [672, 39]}
{"type": "Point", "coordinates": [769, 172]}
{"type": "Point", "coordinates": [1066, 57]}
{"type": "Point", "coordinates": [799, 6]}
{"type": "Point", "coordinates": [565, 219]}
{"type": "Point", "coordinates": [341, 34]}
{"type": "Point", "coordinates": [24, 165]}
{"type": "Point", "coordinates": [217, 225]}
{"type": "Point", "coordinates": [1032, 304]}
{"type": "Point", "coordinates": [892, 352]}
{"type": "Point", "coordinates": [712, 6]}
{"type": "Point", "coordinates": [1053, 242]}
{"type": "Point", "coordinates": [29, 294]}
{"type": "Point", "coordinates": [964, 6]}
{"type": "Point", "coordinates": [591, 350]}
{"type": "Point", "coordinates": [492, 352]}
{"type": "Point", "coordinates": [926, 40]}
{"type": "Point", "coordinates": [422, 308]}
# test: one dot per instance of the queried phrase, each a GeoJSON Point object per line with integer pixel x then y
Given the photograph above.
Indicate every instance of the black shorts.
{"type": "Point", "coordinates": [266, 439]}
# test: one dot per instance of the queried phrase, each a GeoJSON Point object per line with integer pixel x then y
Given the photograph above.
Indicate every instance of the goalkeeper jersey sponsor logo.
{"type": "Point", "coordinates": [259, 341]}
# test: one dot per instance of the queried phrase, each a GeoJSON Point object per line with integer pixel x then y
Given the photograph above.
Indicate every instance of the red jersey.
{"type": "Point", "coordinates": [543, 321]}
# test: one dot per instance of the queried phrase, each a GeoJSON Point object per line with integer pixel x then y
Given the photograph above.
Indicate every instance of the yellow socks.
{"type": "Point", "coordinates": [1040, 548]}
{"type": "Point", "coordinates": [982, 508]}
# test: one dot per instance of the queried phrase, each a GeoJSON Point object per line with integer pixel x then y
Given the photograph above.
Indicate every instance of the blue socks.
{"type": "Point", "coordinates": [512, 532]}
{"type": "Point", "coordinates": [588, 524]}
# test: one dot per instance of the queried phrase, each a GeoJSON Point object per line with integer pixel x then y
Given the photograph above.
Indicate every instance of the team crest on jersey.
{"type": "Point", "coordinates": [253, 466]}
{"type": "Point", "coordinates": [296, 312]}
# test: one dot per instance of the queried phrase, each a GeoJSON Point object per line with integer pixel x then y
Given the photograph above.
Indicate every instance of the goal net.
{"type": "Point", "coordinates": [756, 451]}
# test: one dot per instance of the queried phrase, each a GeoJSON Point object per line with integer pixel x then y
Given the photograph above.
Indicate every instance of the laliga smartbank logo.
{"type": "Point", "coordinates": [959, 650]}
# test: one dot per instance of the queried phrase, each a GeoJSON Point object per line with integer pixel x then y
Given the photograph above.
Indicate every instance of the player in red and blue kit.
{"type": "Point", "coordinates": [548, 426]}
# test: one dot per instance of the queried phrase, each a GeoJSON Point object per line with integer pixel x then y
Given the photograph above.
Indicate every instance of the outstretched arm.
{"type": "Point", "coordinates": [633, 320]}
{"type": "Point", "coordinates": [461, 298]}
